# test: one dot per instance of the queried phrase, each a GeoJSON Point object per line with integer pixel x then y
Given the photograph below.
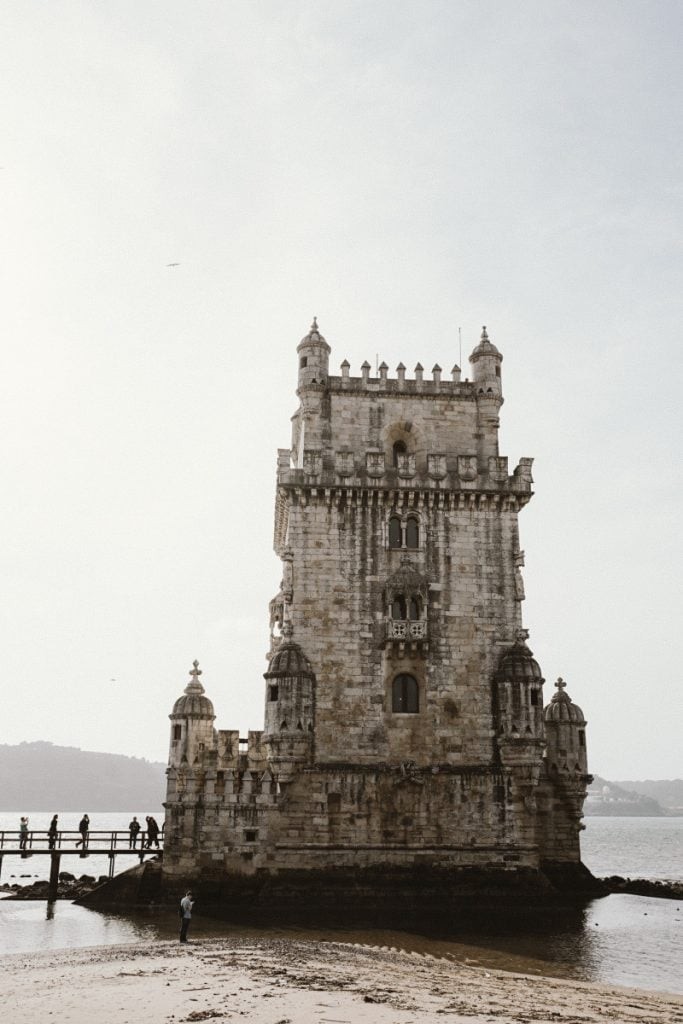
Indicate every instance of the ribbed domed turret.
{"type": "Point", "coordinates": [313, 334]}
{"type": "Point", "coordinates": [562, 708]}
{"type": "Point", "coordinates": [194, 703]}
{"type": "Point", "coordinates": [518, 664]}
{"type": "Point", "coordinates": [314, 354]}
{"type": "Point", "coordinates": [484, 348]}
{"type": "Point", "coordinates": [289, 660]}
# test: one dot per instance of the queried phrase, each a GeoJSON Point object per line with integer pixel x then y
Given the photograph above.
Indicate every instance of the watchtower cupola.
{"type": "Point", "coordinates": [192, 721]}
{"type": "Point", "coordinates": [565, 729]}
{"type": "Point", "coordinates": [485, 361]}
{"type": "Point", "coordinates": [314, 357]}
{"type": "Point", "coordinates": [290, 698]}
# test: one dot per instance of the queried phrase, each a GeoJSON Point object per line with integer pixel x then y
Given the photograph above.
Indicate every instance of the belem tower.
{"type": "Point", "coordinates": [407, 737]}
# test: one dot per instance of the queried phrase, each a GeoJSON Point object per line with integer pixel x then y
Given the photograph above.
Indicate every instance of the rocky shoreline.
{"type": "Point", "coordinates": [644, 887]}
{"type": "Point", "coordinates": [73, 888]}
{"type": "Point", "coordinates": [69, 888]}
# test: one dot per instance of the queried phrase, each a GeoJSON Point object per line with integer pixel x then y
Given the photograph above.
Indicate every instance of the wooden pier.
{"type": "Point", "coordinates": [113, 844]}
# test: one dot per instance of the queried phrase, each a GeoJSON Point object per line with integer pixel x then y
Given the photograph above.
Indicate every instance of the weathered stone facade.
{"type": "Point", "coordinates": [404, 719]}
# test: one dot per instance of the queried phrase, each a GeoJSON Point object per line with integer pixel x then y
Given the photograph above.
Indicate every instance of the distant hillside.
{"type": "Point", "coordinates": [612, 799]}
{"type": "Point", "coordinates": [668, 792]}
{"type": "Point", "coordinates": [42, 777]}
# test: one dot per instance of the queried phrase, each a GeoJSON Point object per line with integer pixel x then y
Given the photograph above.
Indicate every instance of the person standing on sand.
{"type": "Point", "coordinates": [186, 905]}
{"type": "Point", "coordinates": [83, 828]}
{"type": "Point", "coordinates": [52, 833]}
{"type": "Point", "coordinates": [23, 835]}
{"type": "Point", "coordinates": [133, 829]}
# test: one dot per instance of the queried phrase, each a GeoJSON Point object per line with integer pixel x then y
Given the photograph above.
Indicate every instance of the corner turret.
{"type": "Point", "coordinates": [485, 361]}
{"type": "Point", "coordinates": [314, 357]}
{"type": "Point", "coordinates": [565, 729]}
{"type": "Point", "coordinates": [192, 721]}
{"type": "Point", "coordinates": [290, 685]}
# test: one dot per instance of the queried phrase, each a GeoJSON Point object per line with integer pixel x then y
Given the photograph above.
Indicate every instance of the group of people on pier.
{"type": "Point", "coordinates": [148, 839]}
{"type": "Point", "coordinates": [153, 831]}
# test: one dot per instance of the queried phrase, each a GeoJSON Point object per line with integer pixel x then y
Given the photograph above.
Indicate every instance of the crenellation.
{"type": "Point", "coordinates": [403, 710]}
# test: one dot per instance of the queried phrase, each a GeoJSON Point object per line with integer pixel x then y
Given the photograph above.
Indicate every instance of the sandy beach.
{"type": "Point", "coordinates": [289, 982]}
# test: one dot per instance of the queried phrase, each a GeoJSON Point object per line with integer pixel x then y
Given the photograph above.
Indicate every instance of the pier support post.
{"type": "Point", "coordinates": [112, 861]}
{"type": "Point", "coordinates": [55, 858]}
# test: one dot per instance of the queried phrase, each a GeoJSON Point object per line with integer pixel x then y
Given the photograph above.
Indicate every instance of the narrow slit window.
{"type": "Point", "coordinates": [177, 732]}
{"type": "Point", "coordinates": [395, 532]}
{"type": "Point", "coordinates": [412, 533]}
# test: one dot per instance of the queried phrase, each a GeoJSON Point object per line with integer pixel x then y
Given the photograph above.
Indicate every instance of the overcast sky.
{"type": "Point", "coordinates": [400, 169]}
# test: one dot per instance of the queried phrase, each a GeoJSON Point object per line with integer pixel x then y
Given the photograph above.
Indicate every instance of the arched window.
{"type": "Point", "coordinates": [399, 449]}
{"type": "Point", "coordinates": [395, 532]}
{"type": "Point", "coordinates": [398, 607]}
{"type": "Point", "coordinates": [413, 609]}
{"type": "Point", "coordinates": [412, 533]}
{"type": "Point", "coordinates": [404, 695]}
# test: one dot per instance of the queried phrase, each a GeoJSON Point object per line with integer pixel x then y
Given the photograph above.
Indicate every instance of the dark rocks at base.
{"type": "Point", "coordinates": [434, 899]}
{"type": "Point", "coordinates": [138, 886]}
{"type": "Point", "coordinates": [572, 878]}
{"type": "Point", "coordinates": [643, 887]}
{"type": "Point", "coordinates": [69, 888]}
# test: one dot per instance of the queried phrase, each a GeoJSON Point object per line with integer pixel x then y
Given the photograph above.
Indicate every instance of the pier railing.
{"type": "Point", "coordinates": [112, 843]}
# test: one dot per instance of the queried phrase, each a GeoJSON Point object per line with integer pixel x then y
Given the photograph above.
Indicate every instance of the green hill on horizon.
{"type": "Point", "coordinates": [42, 776]}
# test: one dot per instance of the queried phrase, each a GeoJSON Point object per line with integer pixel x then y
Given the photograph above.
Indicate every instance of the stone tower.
{"type": "Point", "coordinates": [404, 718]}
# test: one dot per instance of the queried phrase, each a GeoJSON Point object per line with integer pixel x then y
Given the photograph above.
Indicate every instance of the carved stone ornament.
{"type": "Point", "coordinates": [436, 466]}
{"type": "Point", "coordinates": [344, 464]}
{"type": "Point", "coordinates": [467, 467]}
{"type": "Point", "coordinates": [374, 463]}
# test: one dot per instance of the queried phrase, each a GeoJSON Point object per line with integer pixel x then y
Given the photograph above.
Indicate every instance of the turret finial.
{"type": "Point", "coordinates": [314, 325]}
{"type": "Point", "coordinates": [484, 335]}
{"type": "Point", "coordinates": [194, 686]}
{"type": "Point", "coordinates": [560, 684]}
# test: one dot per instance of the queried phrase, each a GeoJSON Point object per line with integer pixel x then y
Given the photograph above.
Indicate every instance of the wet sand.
{"type": "Point", "coordinates": [287, 982]}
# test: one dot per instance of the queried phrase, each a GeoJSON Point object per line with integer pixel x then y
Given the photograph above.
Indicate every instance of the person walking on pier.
{"type": "Point", "coordinates": [83, 828]}
{"type": "Point", "coordinates": [152, 832]}
{"type": "Point", "coordinates": [133, 829]}
{"type": "Point", "coordinates": [186, 905]}
{"type": "Point", "coordinates": [23, 836]}
{"type": "Point", "coordinates": [52, 833]}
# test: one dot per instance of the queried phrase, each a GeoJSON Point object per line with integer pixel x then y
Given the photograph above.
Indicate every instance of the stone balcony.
{"type": "Point", "coordinates": [406, 629]}
{"type": "Point", "coordinates": [407, 636]}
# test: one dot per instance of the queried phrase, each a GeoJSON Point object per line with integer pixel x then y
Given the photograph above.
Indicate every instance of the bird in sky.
{"type": "Point", "coordinates": [172, 264]}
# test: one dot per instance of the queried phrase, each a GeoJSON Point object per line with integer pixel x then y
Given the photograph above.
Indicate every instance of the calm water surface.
{"type": "Point", "coordinates": [627, 940]}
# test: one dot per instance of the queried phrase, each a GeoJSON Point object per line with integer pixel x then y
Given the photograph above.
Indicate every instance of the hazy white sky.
{"type": "Point", "coordinates": [400, 169]}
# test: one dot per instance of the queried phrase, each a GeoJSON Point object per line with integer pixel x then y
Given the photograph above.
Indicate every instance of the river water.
{"type": "Point", "coordinates": [620, 939]}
